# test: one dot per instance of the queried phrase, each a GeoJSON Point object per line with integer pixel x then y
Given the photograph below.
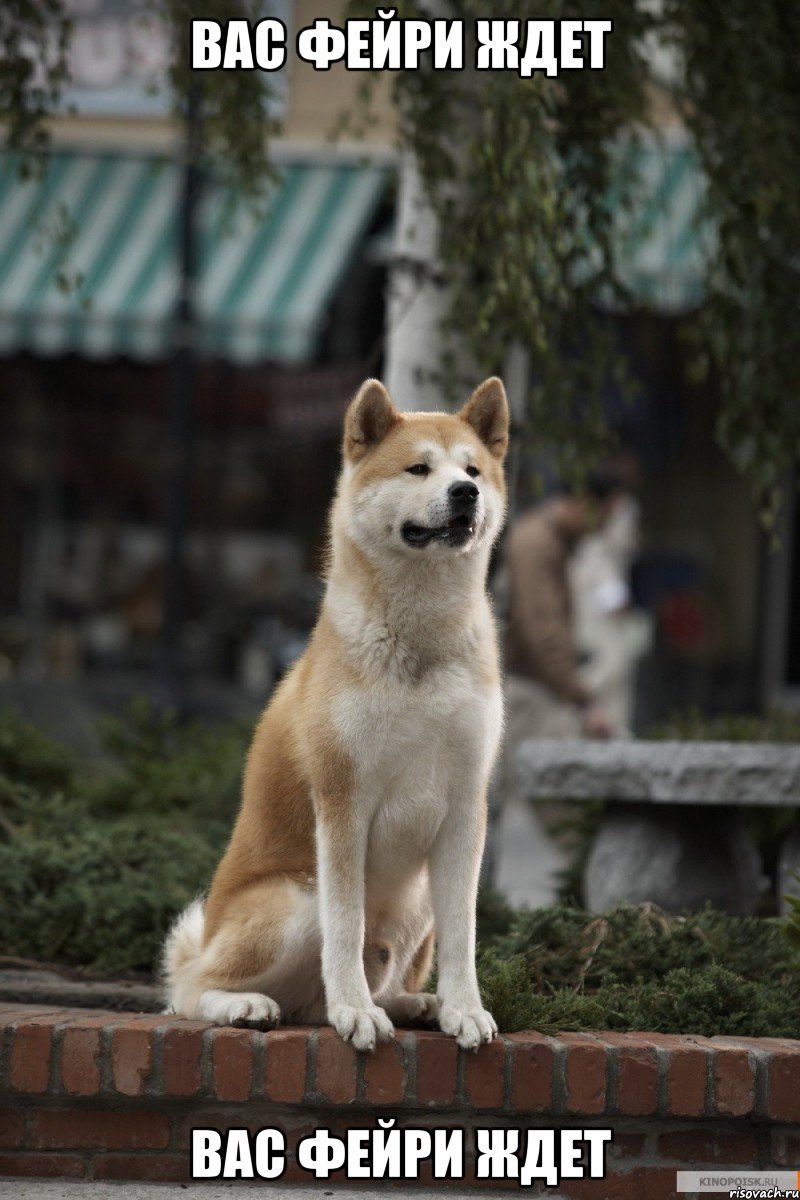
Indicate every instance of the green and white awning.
{"type": "Point", "coordinates": [663, 246]}
{"type": "Point", "coordinates": [88, 257]}
{"type": "Point", "coordinates": [88, 252]}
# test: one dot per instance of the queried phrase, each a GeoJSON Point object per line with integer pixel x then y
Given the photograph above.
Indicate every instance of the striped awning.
{"type": "Point", "coordinates": [89, 257]}
{"type": "Point", "coordinates": [663, 245]}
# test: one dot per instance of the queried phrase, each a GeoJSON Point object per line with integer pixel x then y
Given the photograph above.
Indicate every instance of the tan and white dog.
{"type": "Point", "coordinates": [364, 802]}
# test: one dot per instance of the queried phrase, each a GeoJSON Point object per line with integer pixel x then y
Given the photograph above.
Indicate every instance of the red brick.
{"type": "Point", "coordinates": [41, 1166]}
{"type": "Point", "coordinates": [153, 1168]}
{"type": "Point", "coordinates": [80, 1061]}
{"type": "Point", "coordinates": [585, 1074]}
{"type": "Point", "coordinates": [709, 1146]}
{"type": "Point", "coordinates": [483, 1075]}
{"type": "Point", "coordinates": [78, 1129]}
{"type": "Point", "coordinates": [657, 1183]}
{"type": "Point", "coordinates": [643, 1183]}
{"type": "Point", "coordinates": [296, 1133]}
{"type": "Point", "coordinates": [734, 1083]}
{"type": "Point", "coordinates": [437, 1062]}
{"type": "Point", "coordinates": [770, 1044]}
{"type": "Point", "coordinates": [531, 1073]}
{"type": "Point", "coordinates": [31, 1054]}
{"type": "Point", "coordinates": [11, 1013]}
{"type": "Point", "coordinates": [423, 1174]}
{"type": "Point", "coordinates": [286, 1065]}
{"type": "Point", "coordinates": [637, 1074]}
{"type": "Point", "coordinates": [385, 1073]}
{"type": "Point", "coordinates": [784, 1085]}
{"type": "Point", "coordinates": [182, 1049]}
{"type": "Point", "coordinates": [613, 1187]}
{"type": "Point", "coordinates": [221, 1120]}
{"type": "Point", "coordinates": [294, 1174]}
{"type": "Point", "coordinates": [785, 1150]}
{"type": "Point", "coordinates": [687, 1071]}
{"type": "Point", "coordinates": [751, 1043]}
{"type": "Point", "coordinates": [12, 1128]}
{"type": "Point", "coordinates": [337, 1064]}
{"type": "Point", "coordinates": [626, 1146]}
{"type": "Point", "coordinates": [232, 1063]}
{"type": "Point", "coordinates": [131, 1058]}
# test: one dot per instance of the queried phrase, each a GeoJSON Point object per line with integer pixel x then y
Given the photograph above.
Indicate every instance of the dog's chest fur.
{"type": "Point", "coordinates": [416, 739]}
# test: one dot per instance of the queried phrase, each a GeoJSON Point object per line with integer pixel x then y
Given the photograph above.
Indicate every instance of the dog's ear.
{"type": "Point", "coordinates": [487, 412]}
{"type": "Point", "coordinates": [369, 418]}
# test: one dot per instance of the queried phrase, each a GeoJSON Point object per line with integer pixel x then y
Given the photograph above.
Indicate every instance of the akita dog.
{"type": "Point", "coordinates": [364, 799]}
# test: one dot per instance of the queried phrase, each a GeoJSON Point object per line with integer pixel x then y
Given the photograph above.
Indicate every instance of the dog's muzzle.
{"type": "Point", "coordinates": [462, 498]}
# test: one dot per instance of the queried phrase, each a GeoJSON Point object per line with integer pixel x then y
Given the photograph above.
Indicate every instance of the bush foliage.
{"type": "Point", "coordinates": [637, 968]}
{"type": "Point", "coordinates": [96, 859]}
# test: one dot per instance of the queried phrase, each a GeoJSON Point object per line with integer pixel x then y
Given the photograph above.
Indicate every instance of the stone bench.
{"type": "Point", "coordinates": [672, 832]}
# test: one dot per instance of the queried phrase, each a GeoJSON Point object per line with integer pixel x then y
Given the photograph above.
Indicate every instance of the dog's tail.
{"type": "Point", "coordinates": [182, 950]}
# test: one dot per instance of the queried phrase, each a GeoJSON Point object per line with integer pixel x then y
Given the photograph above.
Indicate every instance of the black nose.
{"type": "Point", "coordinates": [462, 495]}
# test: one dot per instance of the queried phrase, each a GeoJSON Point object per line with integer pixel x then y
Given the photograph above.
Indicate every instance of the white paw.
{"type": "Point", "coordinates": [239, 1008]}
{"type": "Point", "coordinates": [413, 1006]}
{"type": "Point", "coordinates": [361, 1026]}
{"type": "Point", "coordinates": [469, 1026]}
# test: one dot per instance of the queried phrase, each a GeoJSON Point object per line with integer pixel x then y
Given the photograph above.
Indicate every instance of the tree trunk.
{"type": "Point", "coordinates": [417, 300]}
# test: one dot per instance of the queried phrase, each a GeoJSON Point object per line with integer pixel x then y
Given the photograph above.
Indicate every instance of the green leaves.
{"type": "Point", "coordinates": [743, 110]}
{"type": "Point", "coordinates": [791, 926]}
{"type": "Point", "coordinates": [237, 126]}
{"type": "Point", "coordinates": [518, 172]}
{"type": "Point", "coordinates": [96, 859]}
{"type": "Point", "coordinates": [33, 70]}
{"type": "Point", "coordinates": [637, 968]}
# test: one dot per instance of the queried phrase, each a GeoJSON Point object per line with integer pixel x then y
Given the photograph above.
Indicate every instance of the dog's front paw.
{"type": "Point", "coordinates": [469, 1026]}
{"type": "Point", "coordinates": [361, 1026]}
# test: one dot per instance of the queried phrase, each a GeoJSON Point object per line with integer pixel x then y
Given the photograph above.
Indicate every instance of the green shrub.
{"type": "Point", "coordinates": [692, 725]}
{"type": "Point", "coordinates": [96, 860]}
{"type": "Point", "coordinates": [567, 947]}
{"type": "Point", "coordinates": [637, 968]}
{"type": "Point", "coordinates": [160, 765]}
{"type": "Point", "coordinates": [95, 863]}
{"type": "Point", "coordinates": [100, 894]}
{"type": "Point", "coordinates": [30, 756]}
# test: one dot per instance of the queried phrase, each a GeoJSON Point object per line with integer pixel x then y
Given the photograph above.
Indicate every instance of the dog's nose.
{"type": "Point", "coordinates": [462, 494]}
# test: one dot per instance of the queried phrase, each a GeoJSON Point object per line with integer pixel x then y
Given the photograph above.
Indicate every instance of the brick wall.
{"type": "Point", "coordinates": [105, 1095]}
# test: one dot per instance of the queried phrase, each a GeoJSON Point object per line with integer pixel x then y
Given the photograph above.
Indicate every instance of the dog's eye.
{"type": "Point", "coordinates": [472, 471]}
{"type": "Point", "coordinates": [419, 469]}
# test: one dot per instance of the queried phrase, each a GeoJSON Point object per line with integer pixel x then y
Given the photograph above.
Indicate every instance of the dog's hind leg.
{"type": "Point", "coordinates": [261, 959]}
{"type": "Point", "coordinates": [239, 1008]}
{"type": "Point", "coordinates": [411, 1003]}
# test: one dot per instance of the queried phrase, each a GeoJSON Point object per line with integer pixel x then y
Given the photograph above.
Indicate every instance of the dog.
{"type": "Point", "coordinates": [363, 812]}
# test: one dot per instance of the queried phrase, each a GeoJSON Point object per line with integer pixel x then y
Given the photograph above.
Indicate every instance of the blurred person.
{"type": "Point", "coordinates": [611, 634]}
{"type": "Point", "coordinates": [547, 695]}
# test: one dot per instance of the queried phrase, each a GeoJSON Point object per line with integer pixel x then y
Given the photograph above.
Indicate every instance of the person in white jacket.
{"type": "Point", "coordinates": [610, 634]}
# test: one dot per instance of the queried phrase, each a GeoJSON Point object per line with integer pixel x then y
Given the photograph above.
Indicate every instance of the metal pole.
{"type": "Point", "coordinates": [182, 380]}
